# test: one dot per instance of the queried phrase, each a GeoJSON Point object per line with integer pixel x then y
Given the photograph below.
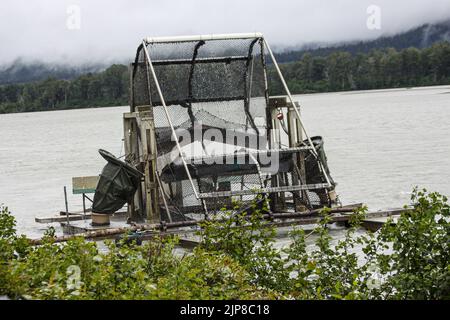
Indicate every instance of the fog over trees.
{"type": "Point", "coordinates": [338, 71]}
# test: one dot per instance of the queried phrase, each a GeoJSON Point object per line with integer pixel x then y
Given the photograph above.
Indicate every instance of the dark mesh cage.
{"type": "Point", "coordinates": [215, 86]}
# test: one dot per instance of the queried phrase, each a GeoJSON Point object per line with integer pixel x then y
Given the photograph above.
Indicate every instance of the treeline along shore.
{"type": "Point", "coordinates": [337, 71]}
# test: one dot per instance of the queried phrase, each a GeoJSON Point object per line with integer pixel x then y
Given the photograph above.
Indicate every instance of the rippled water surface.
{"type": "Point", "coordinates": [379, 144]}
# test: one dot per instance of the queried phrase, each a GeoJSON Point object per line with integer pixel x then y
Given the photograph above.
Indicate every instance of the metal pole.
{"type": "Point", "coordinates": [295, 108]}
{"type": "Point", "coordinates": [205, 37]}
{"type": "Point", "coordinates": [67, 205]}
{"type": "Point", "coordinates": [84, 207]}
{"type": "Point", "coordinates": [174, 134]}
{"type": "Point", "coordinates": [164, 197]}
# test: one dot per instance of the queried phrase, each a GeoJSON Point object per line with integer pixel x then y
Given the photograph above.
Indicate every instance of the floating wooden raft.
{"type": "Point", "coordinates": [294, 217]}
{"type": "Point", "coordinates": [376, 220]}
{"type": "Point", "coordinates": [343, 214]}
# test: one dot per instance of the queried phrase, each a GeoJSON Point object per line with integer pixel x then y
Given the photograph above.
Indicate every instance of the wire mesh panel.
{"type": "Point", "coordinates": [215, 94]}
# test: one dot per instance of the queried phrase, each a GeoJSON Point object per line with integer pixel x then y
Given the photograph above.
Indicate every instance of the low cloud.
{"type": "Point", "coordinates": [84, 31]}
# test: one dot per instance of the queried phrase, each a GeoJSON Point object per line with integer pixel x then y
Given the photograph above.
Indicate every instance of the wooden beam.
{"type": "Point", "coordinates": [59, 218]}
{"type": "Point", "coordinates": [148, 152]}
{"type": "Point", "coordinates": [277, 102]}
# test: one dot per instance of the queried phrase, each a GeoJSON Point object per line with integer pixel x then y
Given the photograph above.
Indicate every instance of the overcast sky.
{"type": "Point", "coordinates": [109, 30]}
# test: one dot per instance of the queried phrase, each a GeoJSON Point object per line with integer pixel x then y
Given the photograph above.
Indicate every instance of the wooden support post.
{"type": "Point", "coordinates": [292, 136]}
{"type": "Point", "coordinates": [134, 210]}
{"type": "Point", "coordinates": [149, 156]}
{"type": "Point", "coordinates": [278, 201]}
{"type": "Point", "coordinates": [295, 139]}
{"type": "Point", "coordinates": [299, 133]}
{"type": "Point", "coordinates": [127, 149]}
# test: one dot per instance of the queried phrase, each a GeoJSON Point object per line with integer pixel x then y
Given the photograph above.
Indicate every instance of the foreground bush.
{"type": "Point", "coordinates": [237, 259]}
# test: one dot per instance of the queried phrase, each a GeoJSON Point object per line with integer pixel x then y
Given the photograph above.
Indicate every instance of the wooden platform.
{"type": "Point", "coordinates": [74, 216]}
{"type": "Point", "coordinates": [83, 228]}
{"type": "Point", "coordinates": [374, 224]}
{"type": "Point", "coordinates": [373, 221]}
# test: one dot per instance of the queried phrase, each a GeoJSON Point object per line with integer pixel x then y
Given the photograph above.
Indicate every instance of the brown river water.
{"type": "Point", "coordinates": [379, 143]}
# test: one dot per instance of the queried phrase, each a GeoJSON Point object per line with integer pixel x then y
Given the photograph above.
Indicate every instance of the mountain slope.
{"type": "Point", "coordinates": [420, 37]}
{"type": "Point", "coordinates": [20, 71]}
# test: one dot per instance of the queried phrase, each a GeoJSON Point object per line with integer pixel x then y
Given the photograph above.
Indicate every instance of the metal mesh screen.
{"type": "Point", "coordinates": [216, 86]}
{"type": "Point", "coordinates": [202, 71]}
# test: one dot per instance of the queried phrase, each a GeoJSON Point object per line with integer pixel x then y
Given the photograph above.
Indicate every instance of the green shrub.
{"type": "Point", "coordinates": [237, 259]}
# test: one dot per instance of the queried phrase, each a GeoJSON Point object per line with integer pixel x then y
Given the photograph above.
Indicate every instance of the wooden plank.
{"type": "Point", "coordinates": [217, 194]}
{"type": "Point", "coordinates": [78, 215]}
{"type": "Point", "coordinates": [59, 218]}
{"type": "Point", "coordinates": [387, 212]}
{"type": "Point", "coordinates": [86, 226]}
{"type": "Point", "coordinates": [72, 216]}
{"type": "Point", "coordinates": [132, 141]}
{"type": "Point", "coordinates": [374, 223]}
{"type": "Point", "coordinates": [62, 216]}
{"type": "Point", "coordinates": [277, 102]}
{"type": "Point", "coordinates": [148, 145]}
{"type": "Point", "coordinates": [63, 213]}
{"type": "Point", "coordinates": [189, 243]}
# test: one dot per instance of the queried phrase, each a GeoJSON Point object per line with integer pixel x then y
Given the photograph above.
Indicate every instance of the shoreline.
{"type": "Point", "coordinates": [347, 92]}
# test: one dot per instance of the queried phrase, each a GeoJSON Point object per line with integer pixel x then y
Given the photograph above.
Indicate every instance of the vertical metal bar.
{"type": "Point", "coordinates": [84, 207]}
{"type": "Point", "coordinates": [67, 205]}
{"type": "Point", "coordinates": [128, 152]}
{"type": "Point", "coordinates": [131, 89]}
{"type": "Point", "coordinates": [174, 134]}
{"type": "Point", "coordinates": [295, 109]}
{"type": "Point", "coordinates": [266, 96]}
{"type": "Point", "coordinates": [247, 92]}
{"type": "Point", "coordinates": [163, 196]}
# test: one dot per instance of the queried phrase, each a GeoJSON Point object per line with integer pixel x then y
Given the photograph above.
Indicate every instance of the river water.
{"type": "Point", "coordinates": [379, 143]}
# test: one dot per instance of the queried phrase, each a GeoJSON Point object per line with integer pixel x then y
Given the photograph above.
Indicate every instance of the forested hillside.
{"type": "Point", "coordinates": [420, 37]}
{"type": "Point", "coordinates": [107, 88]}
{"type": "Point", "coordinates": [386, 68]}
